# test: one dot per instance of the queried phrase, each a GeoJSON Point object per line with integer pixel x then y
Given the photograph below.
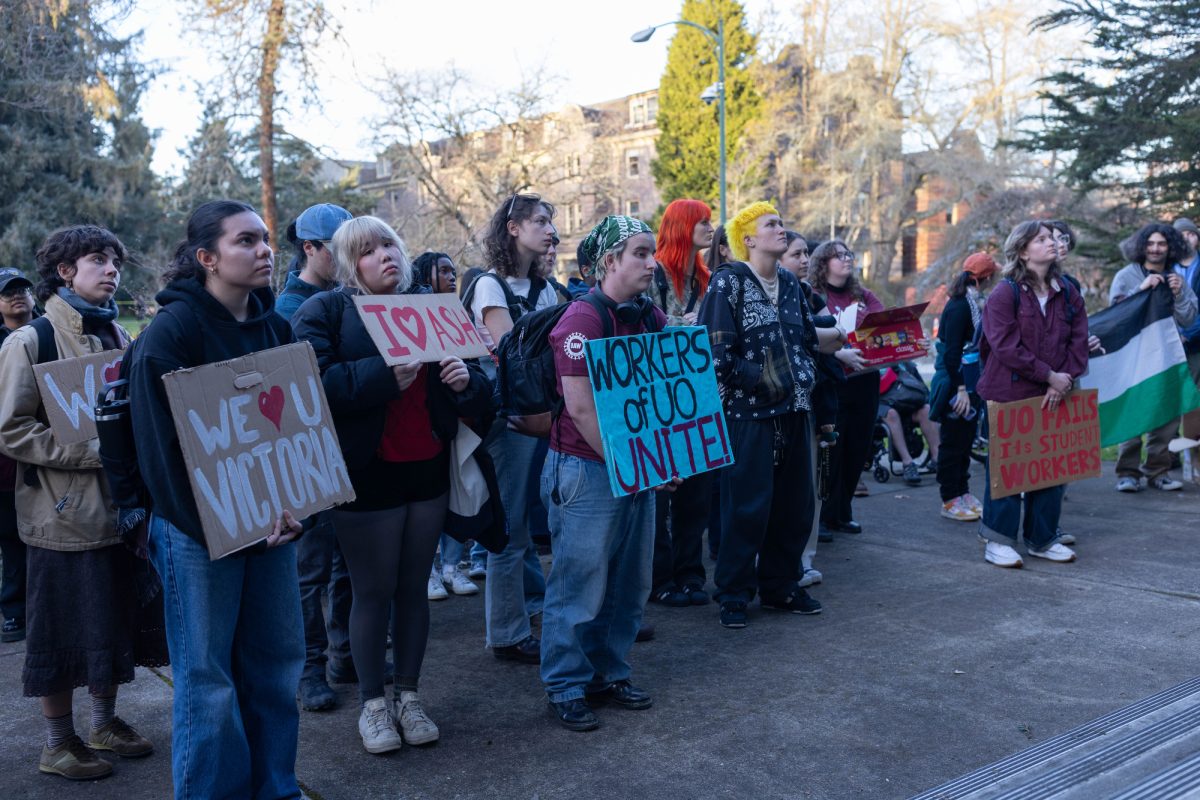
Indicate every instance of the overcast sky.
{"type": "Point", "coordinates": [585, 43]}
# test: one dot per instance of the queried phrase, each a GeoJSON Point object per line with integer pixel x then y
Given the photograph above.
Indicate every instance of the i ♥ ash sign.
{"type": "Point", "coordinates": [69, 388]}
{"type": "Point", "coordinates": [257, 439]}
{"type": "Point", "coordinates": [419, 327]}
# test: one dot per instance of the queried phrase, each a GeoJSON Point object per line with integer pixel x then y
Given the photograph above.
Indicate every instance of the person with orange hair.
{"type": "Point", "coordinates": [681, 279]}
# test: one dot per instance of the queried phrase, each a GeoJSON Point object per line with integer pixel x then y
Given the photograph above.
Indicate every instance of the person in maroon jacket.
{"type": "Point", "coordinates": [1035, 344]}
{"type": "Point", "coordinates": [16, 308]}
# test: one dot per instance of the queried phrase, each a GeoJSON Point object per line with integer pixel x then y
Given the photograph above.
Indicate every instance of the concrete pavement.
{"type": "Point", "coordinates": [926, 664]}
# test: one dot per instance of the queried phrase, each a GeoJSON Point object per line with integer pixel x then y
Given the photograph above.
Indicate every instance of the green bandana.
{"type": "Point", "coordinates": [611, 231]}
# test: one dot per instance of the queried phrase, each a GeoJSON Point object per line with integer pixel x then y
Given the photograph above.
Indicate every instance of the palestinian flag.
{"type": "Point", "coordinates": [1142, 376]}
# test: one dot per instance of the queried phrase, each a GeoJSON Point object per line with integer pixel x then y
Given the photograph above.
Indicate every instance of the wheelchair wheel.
{"type": "Point", "coordinates": [882, 474]}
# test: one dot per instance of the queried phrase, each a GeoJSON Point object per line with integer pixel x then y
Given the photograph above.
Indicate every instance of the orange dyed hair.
{"type": "Point", "coordinates": [675, 242]}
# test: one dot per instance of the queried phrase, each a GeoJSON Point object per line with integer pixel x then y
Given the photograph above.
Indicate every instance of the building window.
{"type": "Point", "coordinates": [651, 108]}
{"type": "Point", "coordinates": [950, 217]}
{"type": "Point", "coordinates": [383, 168]}
{"type": "Point", "coordinates": [632, 208]}
{"type": "Point", "coordinates": [573, 165]}
{"type": "Point", "coordinates": [633, 164]}
{"type": "Point", "coordinates": [637, 112]}
{"type": "Point", "coordinates": [574, 218]}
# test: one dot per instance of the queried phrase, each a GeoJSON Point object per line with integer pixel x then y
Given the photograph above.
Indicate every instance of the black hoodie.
{"type": "Point", "coordinates": [191, 328]}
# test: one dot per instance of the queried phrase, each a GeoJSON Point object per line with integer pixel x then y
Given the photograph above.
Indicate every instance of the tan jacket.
{"type": "Point", "coordinates": [69, 508]}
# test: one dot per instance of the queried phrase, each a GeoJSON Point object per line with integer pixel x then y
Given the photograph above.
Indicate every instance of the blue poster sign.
{"type": "Point", "coordinates": [657, 404]}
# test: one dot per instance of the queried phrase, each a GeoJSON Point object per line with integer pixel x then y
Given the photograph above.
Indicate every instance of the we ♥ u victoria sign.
{"type": "Point", "coordinates": [257, 439]}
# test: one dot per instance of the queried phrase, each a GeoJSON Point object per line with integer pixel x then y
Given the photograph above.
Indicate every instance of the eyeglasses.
{"type": "Point", "coordinates": [844, 255]}
{"type": "Point", "coordinates": [15, 294]}
{"type": "Point", "coordinates": [513, 202]}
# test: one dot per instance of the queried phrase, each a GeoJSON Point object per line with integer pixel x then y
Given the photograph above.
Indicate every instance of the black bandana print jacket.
{"type": "Point", "coordinates": [763, 356]}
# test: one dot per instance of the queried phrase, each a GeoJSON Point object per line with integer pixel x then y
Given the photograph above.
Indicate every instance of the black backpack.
{"type": "Point", "coordinates": [526, 381]}
{"type": "Point", "coordinates": [517, 306]}
{"type": "Point", "coordinates": [660, 283]}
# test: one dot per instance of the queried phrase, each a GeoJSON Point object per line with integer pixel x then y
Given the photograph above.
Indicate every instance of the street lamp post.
{"type": "Point", "coordinates": [718, 39]}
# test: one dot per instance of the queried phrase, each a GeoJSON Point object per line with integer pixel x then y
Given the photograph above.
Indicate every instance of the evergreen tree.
{"type": "Point", "coordinates": [217, 168]}
{"type": "Point", "coordinates": [1127, 114]}
{"type": "Point", "coordinates": [55, 98]}
{"type": "Point", "coordinates": [687, 158]}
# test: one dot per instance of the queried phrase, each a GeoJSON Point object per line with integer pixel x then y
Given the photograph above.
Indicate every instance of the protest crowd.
{"type": "Point", "coordinates": [699, 389]}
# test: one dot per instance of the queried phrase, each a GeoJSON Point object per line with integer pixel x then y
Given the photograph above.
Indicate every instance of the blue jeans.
{"type": "Point", "coordinates": [237, 648]}
{"type": "Point", "coordinates": [600, 578]}
{"type": "Point", "coordinates": [509, 571]}
{"type": "Point", "coordinates": [1003, 518]}
{"type": "Point", "coordinates": [323, 572]}
{"type": "Point", "coordinates": [450, 552]}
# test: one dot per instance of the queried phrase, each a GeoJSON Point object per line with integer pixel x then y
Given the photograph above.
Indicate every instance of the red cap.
{"type": "Point", "coordinates": [981, 266]}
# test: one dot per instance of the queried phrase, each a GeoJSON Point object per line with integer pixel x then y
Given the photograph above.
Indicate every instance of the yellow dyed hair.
{"type": "Point", "coordinates": [742, 226]}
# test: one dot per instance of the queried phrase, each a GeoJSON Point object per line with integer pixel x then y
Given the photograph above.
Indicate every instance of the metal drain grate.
{"type": "Point", "coordinates": [993, 773]}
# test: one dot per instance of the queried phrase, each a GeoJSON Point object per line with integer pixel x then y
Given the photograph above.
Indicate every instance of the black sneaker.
{"type": "Point", "coordinates": [696, 594]}
{"type": "Point", "coordinates": [733, 613]}
{"type": "Point", "coordinates": [315, 694]}
{"type": "Point", "coordinates": [13, 630]}
{"type": "Point", "coordinates": [671, 597]}
{"type": "Point", "coordinates": [797, 602]}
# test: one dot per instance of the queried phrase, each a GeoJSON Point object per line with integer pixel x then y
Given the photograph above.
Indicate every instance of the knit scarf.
{"type": "Point", "coordinates": [93, 316]}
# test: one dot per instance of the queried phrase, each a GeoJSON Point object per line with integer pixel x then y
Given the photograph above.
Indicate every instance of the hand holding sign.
{"type": "Point", "coordinates": [455, 373]}
{"type": "Point", "coordinates": [406, 374]}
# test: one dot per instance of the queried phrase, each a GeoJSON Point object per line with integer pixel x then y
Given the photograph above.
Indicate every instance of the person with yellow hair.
{"type": "Point", "coordinates": [764, 343]}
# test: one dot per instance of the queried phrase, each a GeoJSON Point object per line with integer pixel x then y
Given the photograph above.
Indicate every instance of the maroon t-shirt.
{"type": "Point", "coordinates": [579, 324]}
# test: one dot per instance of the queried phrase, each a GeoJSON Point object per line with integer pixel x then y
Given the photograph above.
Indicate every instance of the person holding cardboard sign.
{"type": "Point", "coordinates": [1035, 343]}
{"type": "Point", "coordinates": [81, 596]}
{"type": "Point", "coordinates": [395, 425]}
{"type": "Point", "coordinates": [233, 625]}
{"type": "Point", "coordinates": [832, 275]}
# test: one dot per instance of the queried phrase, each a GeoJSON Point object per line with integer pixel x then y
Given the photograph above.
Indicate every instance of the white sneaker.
{"type": "Point", "coordinates": [435, 590]}
{"type": "Point", "coordinates": [478, 569]}
{"type": "Point", "coordinates": [412, 721]}
{"type": "Point", "coordinates": [457, 582]}
{"type": "Point", "coordinates": [1128, 485]}
{"type": "Point", "coordinates": [972, 502]}
{"type": "Point", "coordinates": [1055, 552]}
{"type": "Point", "coordinates": [809, 578]}
{"type": "Point", "coordinates": [1002, 555]}
{"type": "Point", "coordinates": [377, 728]}
{"type": "Point", "coordinates": [1166, 483]}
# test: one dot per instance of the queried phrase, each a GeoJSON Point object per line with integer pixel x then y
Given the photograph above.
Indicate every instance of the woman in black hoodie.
{"type": "Point", "coordinates": [233, 625]}
{"type": "Point", "coordinates": [395, 425]}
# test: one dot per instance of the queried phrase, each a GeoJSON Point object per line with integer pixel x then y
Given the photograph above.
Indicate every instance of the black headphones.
{"type": "Point", "coordinates": [631, 312]}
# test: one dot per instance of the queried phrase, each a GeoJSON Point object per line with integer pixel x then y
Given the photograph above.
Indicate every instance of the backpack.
{"type": "Point", "coordinates": [517, 306]}
{"type": "Point", "coordinates": [526, 380]}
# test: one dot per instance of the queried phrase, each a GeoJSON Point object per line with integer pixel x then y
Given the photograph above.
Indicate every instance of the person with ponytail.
{"type": "Point", "coordinates": [233, 625]}
{"type": "Point", "coordinates": [681, 279]}
{"type": "Point", "coordinates": [395, 425]}
{"type": "Point", "coordinates": [85, 624]}
{"type": "Point", "coordinates": [952, 399]}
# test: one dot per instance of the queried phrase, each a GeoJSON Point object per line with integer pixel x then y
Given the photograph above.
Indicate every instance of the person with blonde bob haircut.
{"type": "Point", "coordinates": [395, 425]}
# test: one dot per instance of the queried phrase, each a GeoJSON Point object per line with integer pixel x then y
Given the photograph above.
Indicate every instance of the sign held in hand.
{"type": "Point", "coordinates": [1030, 447]}
{"type": "Point", "coordinates": [69, 388]}
{"type": "Point", "coordinates": [657, 404]}
{"type": "Point", "coordinates": [257, 439]}
{"type": "Point", "coordinates": [419, 327]}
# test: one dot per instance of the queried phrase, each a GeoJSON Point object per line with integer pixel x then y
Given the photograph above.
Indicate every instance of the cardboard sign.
{"type": "Point", "coordinates": [659, 411]}
{"type": "Point", "coordinates": [1030, 447]}
{"type": "Point", "coordinates": [890, 336]}
{"type": "Point", "coordinates": [419, 327]}
{"type": "Point", "coordinates": [69, 388]}
{"type": "Point", "coordinates": [257, 438]}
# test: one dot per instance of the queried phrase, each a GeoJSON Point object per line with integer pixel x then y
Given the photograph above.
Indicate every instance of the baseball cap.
{"type": "Point", "coordinates": [980, 265]}
{"type": "Point", "coordinates": [318, 223]}
{"type": "Point", "coordinates": [13, 279]}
